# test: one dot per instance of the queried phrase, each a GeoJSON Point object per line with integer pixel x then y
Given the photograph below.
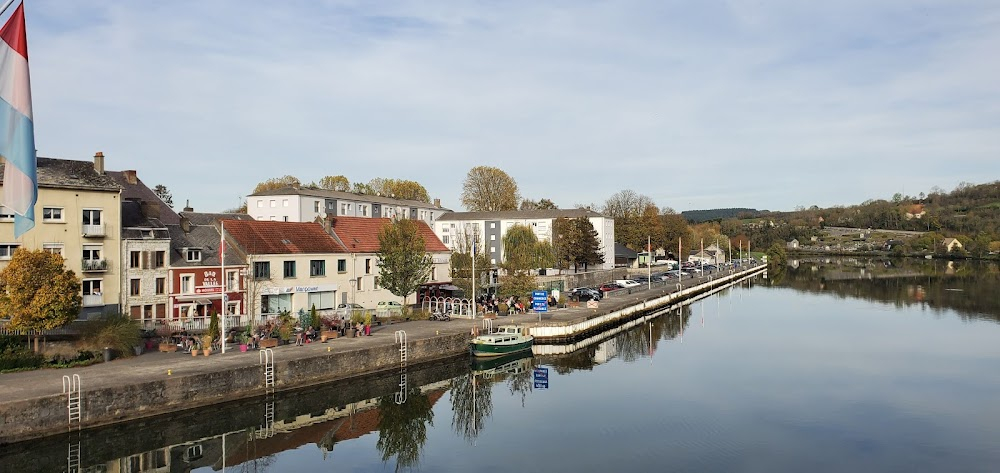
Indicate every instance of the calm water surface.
{"type": "Point", "coordinates": [830, 366]}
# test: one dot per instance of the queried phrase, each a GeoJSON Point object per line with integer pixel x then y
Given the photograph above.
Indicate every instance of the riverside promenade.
{"type": "Point", "coordinates": [32, 404]}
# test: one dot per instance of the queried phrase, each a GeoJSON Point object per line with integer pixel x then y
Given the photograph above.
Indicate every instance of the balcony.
{"type": "Point", "coordinates": [93, 300]}
{"type": "Point", "coordinates": [95, 265]}
{"type": "Point", "coordinates": [93, 231]}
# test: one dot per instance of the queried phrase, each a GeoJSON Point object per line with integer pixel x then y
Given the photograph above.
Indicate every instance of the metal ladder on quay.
{"type": "Point", "coordinates": [74, 398]}
{"type": "Point", "coordinates": [267, 361]}
{"type": "Point", "coordinates": [400, 338]}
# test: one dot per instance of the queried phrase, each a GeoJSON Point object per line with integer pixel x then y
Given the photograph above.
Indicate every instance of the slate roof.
{"type": "Point", "coordinates": [348, 195]}
{"type": "Point", "coordinates": [520, 214]}
{"type": "Point", "coordinates": [136, 225]}
{"type": "Point", "coordinates": [360, 234]}
{"type": "Point", "coordinates": [201, 218]}
{"type": "Point", "coordinates": [141, 192]}
{"type": "Point", "coordinates": [70, 174]}
{"type": "Point", "coordinates": [623, 251]}
{"type": "Point", "coordinates": [264, 237]}
{"type": "Point", "coordinates": [205, 237]}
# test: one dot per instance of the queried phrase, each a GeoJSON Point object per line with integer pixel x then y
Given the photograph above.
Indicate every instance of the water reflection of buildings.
{"type": "Point", "coordinates": [257, 444]}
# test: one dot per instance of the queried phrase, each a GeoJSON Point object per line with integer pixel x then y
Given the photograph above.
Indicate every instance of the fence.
{"type": "Point", "coordinates": [454, 306]}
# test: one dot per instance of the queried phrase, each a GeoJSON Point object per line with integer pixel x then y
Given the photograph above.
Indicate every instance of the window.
{"type": "Point", "coordinates": [284, 202]}
{"type": "Point", "coordinates": [289, 269]}
{"type": "Point", "coordinates": [433, 273]}
{"type": "Point", "coordinates": [444, 239]}
{"type": "Point", "coordinates": [159, 259]}
{"type": "Point", "coordinates": [321, 300]}
{"type": "Point", "coordinates": [54, 248]}
{"type": "Point", "coordinates": [493, 224]}
{"type": "Point", "coordinates": [91, 217]}
{"type": "Point", "coordinates": [7, 250]}
{"type": "Point", "coordinates": [133, 287]}
{"type": "Point", "coordinates": [284, 218]}
{"type": "Point", "coordinates": [342, 266]}
{"type": "Point", "coordinates": [363, 210]}
{"type": "Point", "coordinates": [6, 214]}
{"type": "Point", "coordinates": [260, 204]}
{"type": "Point", "coordinates": [317, 267]}
{"type": "Point", "coordinates": [368, 265]}
{"type": "Point", "coordinates": [376, 286]}
{"type": "Point", "coordinates": [360, 285]}
{"type": "Point", "coordinates": [273, 203]}
{"type": "Point", "coordinates": [277, 303]}
{"type": "Point", "coordinates": [52, 214]}
{"type": "Point", "coordinates": [187, 284]}
{"type": "Point", "coordinates": [261, 270]}
{"type": "Point", "coordinates": [192, 254]}
{"type": "Point", "coordinates": [161, 286]}
{"type": "Point", "coordinates": [134, 259]}
{"type": "Point", "coordinates": [92, 252]}
{"type": "Point", "coordinates": [316, 206]}
{"type": "Point", "coordinates": [91, 287]}
{"type": "Point", "coordinates": [493, 237]}
{"type": "Point", "coordinates": [231, 281]}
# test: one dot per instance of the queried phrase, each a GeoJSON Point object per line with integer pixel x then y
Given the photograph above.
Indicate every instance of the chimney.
{"type": "Point", "coordinates": [99, 162]}
{"type": "Point", "coordinates": [329, 222]}
{"type": "Point", "coordinates": [187, 206]}
{"type": "Point", "coordinates": [437, 202]}
{"type": "Point", "coordinates": [130, 177]}
{"type": "Point", "coordinates": [185, 224]}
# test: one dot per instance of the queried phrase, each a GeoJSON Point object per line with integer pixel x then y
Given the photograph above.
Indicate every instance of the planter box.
{"type": "Point", "coordinates": [268, 342]}
{"type": "Point", "coordinates": [328, 334]}
{"type": "Point", "coordinates": [167, 347]}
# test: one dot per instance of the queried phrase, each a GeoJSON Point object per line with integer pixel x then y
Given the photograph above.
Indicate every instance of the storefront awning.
{"type": "Point", "coordinates": [202, 301]}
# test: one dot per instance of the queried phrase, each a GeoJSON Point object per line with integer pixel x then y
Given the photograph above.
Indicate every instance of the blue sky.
{"type": "Point", "coordinates": [764, 104]}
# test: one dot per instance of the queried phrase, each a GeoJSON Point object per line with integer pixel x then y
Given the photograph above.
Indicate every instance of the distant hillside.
{"type": "Point", "coordinates": [699, 216]}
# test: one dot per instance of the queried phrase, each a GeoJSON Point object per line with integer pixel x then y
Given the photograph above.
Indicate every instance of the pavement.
{"type": "Point", "coordinates": [129, 371]}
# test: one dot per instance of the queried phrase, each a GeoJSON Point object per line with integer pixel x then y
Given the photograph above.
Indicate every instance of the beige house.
{"type": "Point", "coordinates": [78, 215]}
{"type": "Point", "coordinates": [951, 244]}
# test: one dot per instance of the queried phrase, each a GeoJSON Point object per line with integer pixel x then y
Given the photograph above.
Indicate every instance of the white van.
{"type": "Point", "coordinates": [626, 283]}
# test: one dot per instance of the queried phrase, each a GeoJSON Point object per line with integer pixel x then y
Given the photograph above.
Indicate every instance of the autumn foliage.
{"type": "Point", "coordinates": [37, 292]}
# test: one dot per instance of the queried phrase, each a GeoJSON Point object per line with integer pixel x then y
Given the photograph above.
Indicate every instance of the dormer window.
{"type": "Point", "coordinates": [192, 255]}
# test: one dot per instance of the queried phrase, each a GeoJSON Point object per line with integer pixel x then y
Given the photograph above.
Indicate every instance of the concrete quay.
{"type": "Point", "coordinates": [33, 405]}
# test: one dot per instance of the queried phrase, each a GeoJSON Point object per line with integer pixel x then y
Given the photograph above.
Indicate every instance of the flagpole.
{"type": "Point", "coordinates": [222, 280]}
{"type": "Point", "coordinates": [473, 281]}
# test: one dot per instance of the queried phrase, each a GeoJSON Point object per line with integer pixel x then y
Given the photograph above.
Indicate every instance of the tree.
{"type": "Point", "coordinates": [277, 183]}
{"type": "Point", "coordinates": [163, 193]}
{"type": "Point", "coordinates": [38, 293]}
{"type": "Point", "coordinates": [575, 243]}
{"type": "Point", "coordinates": [461, 263]}
{"type": "Point", "coordinates": [523, 253]}
{"type": "Point", "coordinates": [489, 189]}
{"type": "Point", "coordinates": [628, 207]}
{"type": "Point", "coordinates": [402, 258]}
{"type": "Point", "coordinates": [335, 183]}
{"type": "Point", "coordinates": [541, 204]}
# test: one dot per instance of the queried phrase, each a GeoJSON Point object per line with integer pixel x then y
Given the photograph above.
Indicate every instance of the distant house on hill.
{"type": "Point", "coordinates": [792, 245]}
{"type": "Point", "coordinates": [951, 244]}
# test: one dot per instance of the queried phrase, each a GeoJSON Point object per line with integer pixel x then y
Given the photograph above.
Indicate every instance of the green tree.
{"type": "Point", "coordinates": [575, 243]}
{"type": "Point", "coordinates": [776, 257]}
{"type": "Point", "coordinates": [542, 204]}
{"type": "Point", "coordinates": [335, 183]}
{"type": "Point", "coordinates": [489, 189]}
{"type": "Point", "coordinates": [163, 193]}
{"type": "Point", "coordinates": [523, 253]}
{"type": "Point", "coordinates": [402, 427]}
{"type": "Point", "coordinates": [277, 183]}
{"type": "Point", "coordinates": [38, 293]}
{"type": "Point", "coordinates": [402, 258]}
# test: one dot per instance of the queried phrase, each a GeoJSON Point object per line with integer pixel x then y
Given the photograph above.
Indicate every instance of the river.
{"type": "Point", "coordinates": [829, 365]}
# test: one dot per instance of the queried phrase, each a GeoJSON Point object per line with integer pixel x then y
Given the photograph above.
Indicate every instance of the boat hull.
{"type": "Point", "coordinates": [490, 349]}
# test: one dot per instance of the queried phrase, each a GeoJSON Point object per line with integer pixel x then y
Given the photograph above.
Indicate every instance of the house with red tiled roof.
{"type": "Point", "coordinates": [297, 265]}
{"type": "Point", "coordinates": [359, 236]}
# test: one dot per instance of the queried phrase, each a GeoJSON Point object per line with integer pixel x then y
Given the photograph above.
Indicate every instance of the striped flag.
{"type": "Point", "coordinates": [17, 138]}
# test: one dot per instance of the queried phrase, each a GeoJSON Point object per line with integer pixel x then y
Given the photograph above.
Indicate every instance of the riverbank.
{"type": "Point", "coordinates": [32, 403]}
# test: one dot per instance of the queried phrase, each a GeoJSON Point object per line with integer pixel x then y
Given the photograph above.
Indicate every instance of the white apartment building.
{"type": "Point", "coordinates": [291, 204]}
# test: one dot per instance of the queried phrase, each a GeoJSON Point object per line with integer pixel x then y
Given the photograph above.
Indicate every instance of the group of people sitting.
{"type": "Point", "coordinates": [491, 303]}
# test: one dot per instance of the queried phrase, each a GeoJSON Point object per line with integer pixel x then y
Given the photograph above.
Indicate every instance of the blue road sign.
{"type": "Point", "coordinates": [541, 378]}
{"type": "Point", "coordinates": [540, 301]}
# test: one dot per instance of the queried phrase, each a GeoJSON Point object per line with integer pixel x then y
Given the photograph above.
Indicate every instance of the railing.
{"type": "Point", "coordinates": [92, 300]}
{"type": "Point", "coordinates": [93, 230]}
{"type": "Point", "coordinates": [453, 306]}
{"type": "Point", "coordinates": [198, 324]}
{"type": "Point", "coordinates": [91, 265]}
{"type": "Point", "coordinates": [4, 330]}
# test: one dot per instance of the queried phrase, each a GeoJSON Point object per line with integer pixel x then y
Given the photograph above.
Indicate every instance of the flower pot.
{"type": "Point", "coordinates": [243, 347]}
{"type": "Point", "coordinates": [328, 335]}
{"type": "Point", "coordinates": [207, 351]}
{"type": "Point", "coordinates": [194, 352]}
{"type": "Point", "coordinates": [138, 350]}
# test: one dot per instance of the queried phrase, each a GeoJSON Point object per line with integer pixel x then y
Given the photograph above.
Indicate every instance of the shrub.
{"type": "Point", "coordinates": [115, 331]}
{"type": "Point", "coordinates": [20, 359]}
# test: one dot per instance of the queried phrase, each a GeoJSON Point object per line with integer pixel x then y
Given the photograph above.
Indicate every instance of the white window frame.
{"type": "Point", "coordinates": [98, 248]}
{"type": "Point", "coordinates": [192, 255]}
{"type": "Point", "coordinates": [187, 284]}
{"type": "Point", "coordinates": [6, 214]}
{"type": "Point", "coordinates": [99, 213]}
{"type": "Point", "coordinates": [7, 250]}
{"type": "Point", "coordinates": [61, 218]}
{"type": "Point", "coordinates": [87, 285]}
{"type": "Point", "coordinates": [59, 248]}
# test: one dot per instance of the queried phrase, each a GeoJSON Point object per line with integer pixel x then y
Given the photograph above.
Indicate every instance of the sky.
{"type": "Point", "coordinates": [696, 104]}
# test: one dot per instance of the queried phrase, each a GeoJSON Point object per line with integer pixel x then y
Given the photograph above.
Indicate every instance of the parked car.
{"type": "Point", "coordinates": [626, 283]}
{"type": "Point", "coordinates": [349, 306]}
{"type": "Point", "coordinates": [389, 305]}
{"type": "Point", "coordinates": [592, 293]}
{"type": "Point", "coordinates": [610, 286]}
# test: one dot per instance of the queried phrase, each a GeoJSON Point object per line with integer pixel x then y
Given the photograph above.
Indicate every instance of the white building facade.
{"type": "Point", "coordinates": [305, 205]}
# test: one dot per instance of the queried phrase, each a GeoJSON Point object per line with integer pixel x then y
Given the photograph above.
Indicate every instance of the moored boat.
{"type": "Point", "coordinates": [507, 339]}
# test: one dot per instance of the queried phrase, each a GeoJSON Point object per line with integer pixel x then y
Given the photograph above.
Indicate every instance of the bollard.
{"type": "Point", "coordinates": [328, 349]}
{"type": "Point", "coordinates": [169, 372]}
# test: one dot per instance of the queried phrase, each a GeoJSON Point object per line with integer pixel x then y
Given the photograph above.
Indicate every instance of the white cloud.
{"type": "Point", "coordinates": [745, 104]}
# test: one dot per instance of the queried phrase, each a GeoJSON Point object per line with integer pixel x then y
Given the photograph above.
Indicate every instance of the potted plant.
{"type": "Point", "coordinates": [166, 344]}
{"type": "Point", "coordinates": [242, 339]}
{"type": "Point", "coordinates": [206, 344]}
{"type": "Point", "coordinates": [329, 329]}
